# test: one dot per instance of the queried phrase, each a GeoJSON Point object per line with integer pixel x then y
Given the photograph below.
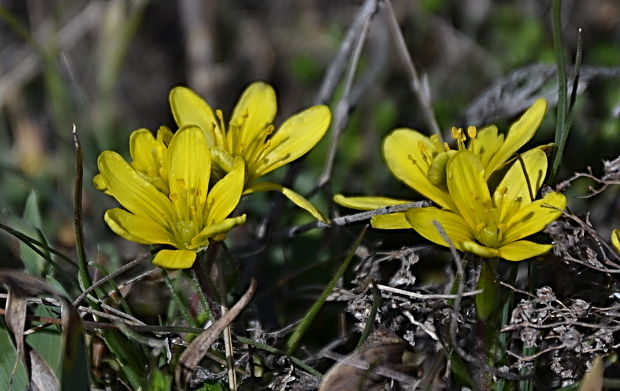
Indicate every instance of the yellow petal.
{"type": "Point", "coordinates": [421, 219]}
{"type": "Point", "coordinates": [480, 250]}
{"type": "Point", "coordinates": [390, 221]}
{"type": "Point", "coordinates": [133, 191]}
{"type": "Point", "coordinates": [255, 110]}
{"type": "Point", "coordinates": [175, 259]}
{"type": "Point", "coordinates": [136, 228]}
{"type": "Point", "coordinates": [514, 191]}
{"type": "Point", "coordinates": [145, 152]}
{"type": "Point", "coordinates": [520, 133]}
{"type": "Point", "coordinates": [164, 135]}
{"type": "Point", "coordinates": [190, 109]}
{"type": "Point", "coordinates": [615, 239]}
{"type": "Point", "coordinates": [534, 217]}
{"type": "Point", "coordinates": [486, 143]}
{"type": "Point", "coordinates": [409, 164]}
{"type": "Point", "coordinates": [99, 184]}
{"type": "Point", "coordinates": [297, 199]}
{"type": "Point", "coordinates": [367, 203]}
{"type": "Point", "coordinates": [222, 158]}
{"type": "Point", "coordinates": [468, 188]}
{"type": "Point", "coordinates": [223, 226]}
{"type": "Point", "coordinates": [297, 135]}
{"type": "Point", "coordinates": [224, 196]}
{"type": "Point", "coordinates": [522, 249]}
{"type": "Point", "coordinates": [188, 163]}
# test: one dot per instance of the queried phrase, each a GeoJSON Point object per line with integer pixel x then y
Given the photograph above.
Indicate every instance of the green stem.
{"type": "Point", "coordinates": [182, 307]}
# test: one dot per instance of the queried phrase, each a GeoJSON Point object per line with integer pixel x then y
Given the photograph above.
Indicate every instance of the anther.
{"type": "Point", "coordinates": [471, 131]}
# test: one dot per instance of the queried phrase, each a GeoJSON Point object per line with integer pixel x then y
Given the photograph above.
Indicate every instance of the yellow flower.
{"type": "Point", "coordinates": [615, 239]}
{"type": "Point", "coordinates": [492, 226]}
{"type": "Point", "coordinates": [148, 155]}
{"type": "Point", "coordinates": [183, 212]}
{"type": "Point", "coordinates": [251, 135]}
{"type": "Point", "coordinates": [420, 161]}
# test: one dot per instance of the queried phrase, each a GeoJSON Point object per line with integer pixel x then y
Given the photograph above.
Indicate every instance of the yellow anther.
{"type": "Point", "coordinates": [181, 183]}
{"type": "Point", "coordinates": [479, 227]}
{"type": "Point", "coordinates": [446, 146]}
{"type": "Point", "coordinates": [502, 190]}
{"type": "Point", "coordinates": [174, 196]}
{"type": "Point", "coordinates": [471, 131]}
{"type": "Point", "coordinates": [455, 132]}
{"type": "Point", "coordinates": [269, 130]}
{"type": "Point", "coordinates": [501, 227]}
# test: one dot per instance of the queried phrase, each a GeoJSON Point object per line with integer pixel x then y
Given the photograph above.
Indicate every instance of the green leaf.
{"type": "Point", "coordinates": [485, 302]}
{"type": "Point", "coordinates": [159, 381]}
{"type": "Point", "coordinates": [460, 372]}
{"type": "Point", "coordinates": [9, 361]}
{"type": "Point", "coordinates": [34, 263]}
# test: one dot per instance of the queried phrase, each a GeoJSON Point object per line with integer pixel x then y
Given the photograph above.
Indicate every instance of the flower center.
{"type": "Point", "coordinates": [188, 205]}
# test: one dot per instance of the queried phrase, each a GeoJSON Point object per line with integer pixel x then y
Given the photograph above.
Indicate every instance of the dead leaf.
{"type": "Point", "coordinates": [16, 321]}
{"type": "Point", "coordinates": [196, 351]}
{"type": "Point", "coordinates": [43, 377]}
{"type": "Point", "coordinates": [377, 362]}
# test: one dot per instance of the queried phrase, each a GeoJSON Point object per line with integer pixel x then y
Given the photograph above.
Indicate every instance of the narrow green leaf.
{"type": "Point", "coordinates": [485, 302]}
{"type": "Point", "coordinates": [562, 126]}
{"type": "Point", "coordinates": [34, 263]}
{"type": "Point", "coordinates": [302, 327]}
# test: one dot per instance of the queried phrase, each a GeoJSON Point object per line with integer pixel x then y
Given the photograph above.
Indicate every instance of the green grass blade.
{"type": "Point", "coordinates": [562, 126]}
{"type": "Point", "coordinates": [302, 327]}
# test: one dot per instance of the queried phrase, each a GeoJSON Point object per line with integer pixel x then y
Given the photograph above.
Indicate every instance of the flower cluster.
{"type": "Point", "coordinates": [165, 189]}
{"type": "Point", "coordinates": [457, 180]}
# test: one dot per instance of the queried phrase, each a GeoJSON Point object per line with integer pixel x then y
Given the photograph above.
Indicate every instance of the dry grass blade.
{"type": "Point", "coordinates": [16, 320]}
{"type": "Point", "coordinates": [196, 351]}
{"type": "Point", "coordinates": [43, 377]}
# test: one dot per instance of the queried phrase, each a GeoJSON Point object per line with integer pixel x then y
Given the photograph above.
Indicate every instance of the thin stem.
{"type": "Point", "coordinates": [182, 307]}
{"type": "Point", "coordinates": [419, 88]}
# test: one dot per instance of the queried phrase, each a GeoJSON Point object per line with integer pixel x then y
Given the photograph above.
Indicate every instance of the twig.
{"type": "Point", "coordinates": [419, 88]}
{"type": "Point", "coordinates": [349, 219]}
{"type": "Point", "coordinates": [338, 64]}
{"type": "Point", "coordinates": [341, 114]}
{"type": "Point", "coordinates": [422, 296]}
{"type": "Point", "coordinates": [110, 276]}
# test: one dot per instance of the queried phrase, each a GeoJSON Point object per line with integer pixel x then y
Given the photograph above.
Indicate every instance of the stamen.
{"type": "Point", "coordinates": [471, 131]}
